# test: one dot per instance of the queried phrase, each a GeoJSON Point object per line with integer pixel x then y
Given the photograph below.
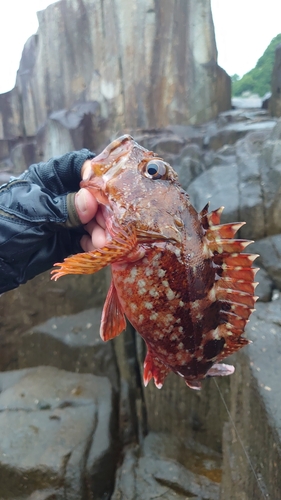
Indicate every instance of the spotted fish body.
{"type": "Point", "coordinates": [177, 275]}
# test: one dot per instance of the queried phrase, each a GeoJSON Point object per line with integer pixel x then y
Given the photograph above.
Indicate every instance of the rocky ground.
{"type": "Point", "coordinates": [75, 419]}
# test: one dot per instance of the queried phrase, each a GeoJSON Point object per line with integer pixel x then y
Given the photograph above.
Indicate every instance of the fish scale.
{"type": "Point", "coordinates": [179, 276]}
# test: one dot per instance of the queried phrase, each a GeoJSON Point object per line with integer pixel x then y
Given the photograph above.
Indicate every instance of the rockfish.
{"type": "Point", "coordinates": [177, 275]}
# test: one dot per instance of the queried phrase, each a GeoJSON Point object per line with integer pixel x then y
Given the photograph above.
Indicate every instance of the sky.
{"type": "Point", "coordinates": [244, 28]}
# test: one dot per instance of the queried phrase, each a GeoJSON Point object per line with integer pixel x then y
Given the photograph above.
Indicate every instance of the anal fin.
{"type": "Point", "coordinates": [154, 368]}
{"type": "Point", "coordinates": [113, 320]}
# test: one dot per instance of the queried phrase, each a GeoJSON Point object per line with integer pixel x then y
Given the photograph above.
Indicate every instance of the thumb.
{"type": "Point", "coordinates": [86, 206]}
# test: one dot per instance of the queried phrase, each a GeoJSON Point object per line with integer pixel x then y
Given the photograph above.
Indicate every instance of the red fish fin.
{"type": "Point", "coordinates": [194, 384]}
{"type": "Point", "coordinates": [113, 320]}
{"type": "Point", "coordinates": [122, 244]}
{"type": "Point", "coordinates": [233, 344]}
{"type": "Point", "coordinates": [154, 368]}
{"type": "Point", "coordinates": [220, 370]}
{"type": "Point", "coordinates": [235, 285]}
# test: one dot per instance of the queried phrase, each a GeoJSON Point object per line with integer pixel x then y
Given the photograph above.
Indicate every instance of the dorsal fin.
{"type": "Point", "coordinates": [235, 285]}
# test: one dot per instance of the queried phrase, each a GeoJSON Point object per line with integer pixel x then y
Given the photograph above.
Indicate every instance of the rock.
{"type": "Point", "coordinates": [70, 343]}
{"type": "Point", "coordinates": [233, 132]}
{"type": "Point", "coordinates": [22, 156]}
{"type": "Point", "coordinates": [249, 185]}
{"type": "Point", "coordinates": [255, 411]}
{"type": "Point", "coordinates": [265, 287]}
{"type": "Point", "coordinates": [56, 435]}
{"type": "Point", "coordinates": [131, 88]}
{"type": "Point", "coordinates": [269, 250]}
{"type": "Point", "coordinates": [219, 185]}
{"type": "Point", "coordinates": [40, 299]}
{"type": "Point", "coordinates": [251, 201]}
{"type": "Point", "coordinates": [275, 100]}
{"type": "Point", "coordinates": [169, 144]}
{"type": "Point", "coordinates": [154, 471]}
{"type": "Point", "coordinates": [189, 164]}
{"type": "Point", "coordinates": [132, 415]}
{"type": "Point", "coordinates": [197, 415]}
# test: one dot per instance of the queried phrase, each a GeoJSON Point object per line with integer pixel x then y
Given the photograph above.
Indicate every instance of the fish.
{"type": "Point", "coordinates": [179, 276]}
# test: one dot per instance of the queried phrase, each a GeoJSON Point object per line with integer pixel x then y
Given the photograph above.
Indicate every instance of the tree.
{"type": "Point", "coordinates": [258, 79]}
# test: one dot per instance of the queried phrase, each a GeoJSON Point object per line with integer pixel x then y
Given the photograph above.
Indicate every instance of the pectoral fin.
{"type": "Point", "coordinates": [122, 244]}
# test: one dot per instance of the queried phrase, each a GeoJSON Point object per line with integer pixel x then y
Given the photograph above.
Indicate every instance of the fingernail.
{"type": "Point", "coordinates": [81, 201]}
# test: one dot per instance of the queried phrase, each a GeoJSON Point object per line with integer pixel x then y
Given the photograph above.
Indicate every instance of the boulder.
{"type": "Point", "coordinates": [164, 467]}
{"type": "Point", "coordinates": [57, 433]}
{"type": "Point", "coordinates": [70, 343]}
{"type": "Point", "coordinates": [269, 251]}
{"type": "Point", "coordinates": [103, 65]}
{"type": "Point", "coordinates": [40, 299]}
{"type": "Point", "coordinates": [252, 440]}
{"type": "Point", "coordinates": [275, 99]}
{"type": "Point", "coordinates": [197, 415]}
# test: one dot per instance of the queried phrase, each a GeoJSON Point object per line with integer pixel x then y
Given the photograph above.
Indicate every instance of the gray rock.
{"type": "Point", "coordinates": [197, 415]}
{"type": "Point", "coordinates": [255, 411]}
{"type": "Point", "coordinates": [70, 343]}
{"type": "Point", "coordinates": [231, 133]}
{"type": "Point", "coordinates": [167, 144]}
{"type": "Point", "coordinates": [41, 299]}
{"type": "Point", "coordinates": [265, 287]}
{"type": "Point", "coordinates": [56, 435]}
{"type": "Point", "coordinates": [251, 202]}
{"type": "Point", "coordinates": [22, 156]}
{"type": "Point", "coordinates": [189, 164]}
{"type": "Point", "coordinates": [219, 185]}
{"type": "Point", "coordinates": [153, 472]}
{"type": "Point", "coordinates": [275, 100]}
{"type": "Point", "coordinates": [269, 250]}
{"type": "Point", "coordinates": [133, 88]}
{"type": "Point", "coordinates": [270, 168]}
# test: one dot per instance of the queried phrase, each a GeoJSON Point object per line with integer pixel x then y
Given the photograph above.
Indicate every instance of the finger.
{"type": "Point", "coordinates": [86, 205]}
{"type": "Point", "coordinates": [86, 169]}
{"type": "Point", "coordinates": [86, 243]}
{"type": "Point", "coordinates": [100, 218]}
{"type": "Point", "coordinates": [96, 233]}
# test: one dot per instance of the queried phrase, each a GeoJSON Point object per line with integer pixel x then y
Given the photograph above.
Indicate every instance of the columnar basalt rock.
{"type": "Point", "coordinates": [275, 100]}
{"type": "Point", "coordinates": [133, 64]}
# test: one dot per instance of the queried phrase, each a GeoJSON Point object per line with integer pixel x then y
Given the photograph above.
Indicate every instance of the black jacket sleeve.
{"type": "Point", "coordinates": [36, 229]}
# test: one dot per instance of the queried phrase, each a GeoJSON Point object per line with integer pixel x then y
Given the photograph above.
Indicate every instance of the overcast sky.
{"type": "Point", "coordinates": [244, 28]}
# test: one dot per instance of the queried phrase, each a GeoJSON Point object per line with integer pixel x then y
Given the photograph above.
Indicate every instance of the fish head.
{"type": "Point", "coordinates": [138, 187]}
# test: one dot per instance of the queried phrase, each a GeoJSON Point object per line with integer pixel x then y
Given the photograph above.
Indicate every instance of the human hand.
{"type": "Point", "coordinates": [90, 215]}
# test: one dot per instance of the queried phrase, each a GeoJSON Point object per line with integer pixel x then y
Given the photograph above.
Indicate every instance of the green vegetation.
{"type": "Point", "coordinates": [258, 79]}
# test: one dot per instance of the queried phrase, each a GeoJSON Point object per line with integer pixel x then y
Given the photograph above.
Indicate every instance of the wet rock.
{"type": "Point", "coordinates": [251, 201]}
{"type": "Point", "coordinates": [40, 299]}
{"type": "Point", "coordinates": [22, 156]}
{"type": "Point", "coordinates": [154, 471]}
{"type": "Point", "coordinates": [265, 287]}
{"type": "Point", "coordinates": [255, 411]}
{"type": "Point", "coordinates": [189, 164]}
{"type": "Point", "coordinates": [197, 415]}
{"type": "Point", "coordinates": [219, 185]}
{"type": "Point", "coordinates": [231, 133]}
{"type": "Point", "coordinates": [70, 343]}
{"type": "Point", "coordinates": [157, 92]}
{"type": "Point", "coordinates": [169, 144]}
{"type": "Point", "coordinates": [56, 435]}
{"type": "Point", "coordinates": [275, 100]}
{"type": "Point", "coordinates": [269, 250]}
{"type": "Point", "coordinates": [132, 415]}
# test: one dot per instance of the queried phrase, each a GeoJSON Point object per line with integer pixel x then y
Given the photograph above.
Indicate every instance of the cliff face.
{"type": "Point", "coordinates": [100, 67]}
{"type": "Point", "coordinates": [275, 100]}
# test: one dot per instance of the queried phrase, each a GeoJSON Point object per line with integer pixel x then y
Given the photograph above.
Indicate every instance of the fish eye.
{"type": "Point", "coordinates": [155, 169]}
